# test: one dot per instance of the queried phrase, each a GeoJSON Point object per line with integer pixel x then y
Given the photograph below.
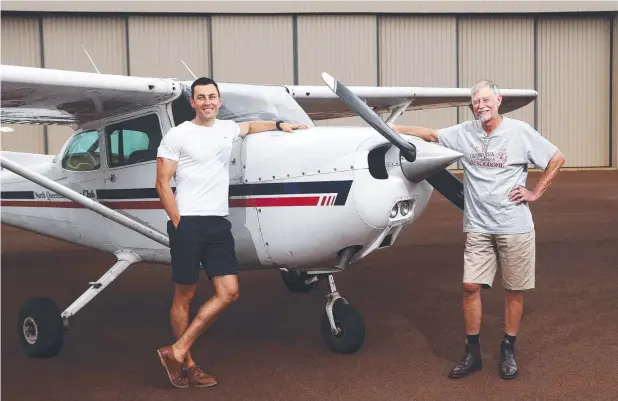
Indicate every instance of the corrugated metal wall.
{"type": "Point", "coordinates": [573, 76]}
{"type": "Point", "coordinates": [571, 55]}
{"type": "Point", "coordinates": [21, 45]}
{"type": "Point", "coordinates": [344, 46]}
{"type": "Point", "coordinates": [501, 50]}
{"type": "Point", "coordinates": [253, 49]}
{"type": "Point", "coordinates": [157, 45]}
{"type": "Point", "coordinates": [406, 40]}
{"type": "Point", "coordinates": [63, 37]}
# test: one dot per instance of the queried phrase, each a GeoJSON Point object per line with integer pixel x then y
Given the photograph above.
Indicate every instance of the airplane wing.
{"type": "Point", "coordinates": [320, 103]}
{"type": "Point", "coordinates": [48, 96]}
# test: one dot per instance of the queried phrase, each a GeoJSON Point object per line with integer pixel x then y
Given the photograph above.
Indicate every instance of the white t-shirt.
{"type": "Point", "coordinates": [203, 156]}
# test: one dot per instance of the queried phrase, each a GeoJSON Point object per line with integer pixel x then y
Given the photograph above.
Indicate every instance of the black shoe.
{"type": "Point", "coordinates": [508, 365]}
{"type": "Point", "coordinates": [470, 362]}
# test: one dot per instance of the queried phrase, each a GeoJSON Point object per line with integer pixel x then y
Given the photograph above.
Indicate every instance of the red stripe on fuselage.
{"type": "Point", "coordinates": [156, 204]}
{"type": "Point", "coordinates": [273, 202]}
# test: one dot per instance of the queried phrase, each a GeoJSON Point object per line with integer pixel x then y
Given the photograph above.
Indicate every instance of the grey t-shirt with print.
{"type": "Point", "coordinates": [493, 165]}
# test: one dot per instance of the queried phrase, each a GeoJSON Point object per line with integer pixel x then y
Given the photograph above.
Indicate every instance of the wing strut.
{"type": "Point", "coordinates": [398, 111]}
{"type": "Point", "coordinates": [103, 210]}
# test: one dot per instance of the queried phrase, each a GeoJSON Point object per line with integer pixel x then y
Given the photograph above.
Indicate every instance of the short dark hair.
{"type": "Point", "coordinates": [204, 81]}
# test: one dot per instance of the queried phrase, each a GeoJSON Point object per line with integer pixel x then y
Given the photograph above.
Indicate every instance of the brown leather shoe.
{"type": "Point", "coordinates": [173, 367]}
{"type": "Point", "coordinates": [199, 378]}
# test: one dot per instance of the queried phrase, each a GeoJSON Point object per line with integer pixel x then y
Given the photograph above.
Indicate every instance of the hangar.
{"type": "Point", "coordinates": [567, 51]}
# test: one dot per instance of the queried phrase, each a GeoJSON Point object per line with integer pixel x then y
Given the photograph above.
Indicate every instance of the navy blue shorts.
{"type": "Point", "coordinates": [201, 239]}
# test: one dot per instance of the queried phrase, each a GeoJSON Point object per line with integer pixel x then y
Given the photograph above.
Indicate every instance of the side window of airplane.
{"type": "Point", "coordinates": [182, 110]}
{"type": "Point", "coordinates": [133, 141]}
{"type": "Point", "coordinates": [83, 153]}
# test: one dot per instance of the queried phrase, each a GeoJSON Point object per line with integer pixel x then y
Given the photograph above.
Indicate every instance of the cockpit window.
{"type": "Point", "coordinates": [83, 152]}
{"type": "Point", "coordinates": [242, 103]}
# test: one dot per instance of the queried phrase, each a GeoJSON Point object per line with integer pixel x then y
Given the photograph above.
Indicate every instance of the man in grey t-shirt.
{"type": "Point", "coordinates": [497, 220]}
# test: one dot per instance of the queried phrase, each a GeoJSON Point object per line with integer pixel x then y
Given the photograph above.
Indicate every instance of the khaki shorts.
{"type": "Point", "coordinates": [516, 254]}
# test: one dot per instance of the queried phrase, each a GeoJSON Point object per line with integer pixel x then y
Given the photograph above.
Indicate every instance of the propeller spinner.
{"type": "Point", "coordinates": [431, 167]}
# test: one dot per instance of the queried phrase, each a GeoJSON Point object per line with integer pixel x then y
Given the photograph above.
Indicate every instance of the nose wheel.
{"type": "Point", "coordinates": [342, 325]}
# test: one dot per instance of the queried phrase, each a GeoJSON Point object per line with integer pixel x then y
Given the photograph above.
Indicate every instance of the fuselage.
{"type": "Point", "coordinates": [296, 199]}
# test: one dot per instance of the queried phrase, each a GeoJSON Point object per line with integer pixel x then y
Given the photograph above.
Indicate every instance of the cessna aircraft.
{"type": "Point", "coordinates": [327, 194]}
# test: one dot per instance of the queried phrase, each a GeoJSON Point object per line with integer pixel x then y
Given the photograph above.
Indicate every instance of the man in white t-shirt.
{"type": "Point", "coordinates": [197, 154]}
{"type": "Point", "coordinates": [497, 219]}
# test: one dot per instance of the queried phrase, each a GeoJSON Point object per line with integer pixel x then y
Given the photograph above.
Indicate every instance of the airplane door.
{"type": "Point", "coordinates": [80, 168]}
{"type": "Point", "coordinates": [131, 155]}
{"type": "Point", "coordinates": [244, 218]}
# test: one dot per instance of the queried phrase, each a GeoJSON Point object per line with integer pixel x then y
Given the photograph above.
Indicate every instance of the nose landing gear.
{"type": "Point", "coordinates": [342, 326]}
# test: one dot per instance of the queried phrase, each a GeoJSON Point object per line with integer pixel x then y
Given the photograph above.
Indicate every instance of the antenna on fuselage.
{"type": "Point", "coordinates": [90, 58]}
{"type": "Point", "coordinates": [188, 69]}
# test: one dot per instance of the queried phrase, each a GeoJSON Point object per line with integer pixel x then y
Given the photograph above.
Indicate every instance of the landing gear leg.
{"type": "Point", "coordinates": [41, 326]}
{"type": "Point", "coordinates": [342, 325]}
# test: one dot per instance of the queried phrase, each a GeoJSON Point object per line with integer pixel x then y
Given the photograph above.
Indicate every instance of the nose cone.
{"type": "Point", "coordinates": [430, 159]}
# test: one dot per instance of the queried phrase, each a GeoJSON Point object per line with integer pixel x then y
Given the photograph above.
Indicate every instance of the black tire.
{"type": "Point", "coordinates": [295, 281]}
{"type": "Point", "coordinates": [352, 329]}
{"type": "Point", "coordinates": [40, 328]}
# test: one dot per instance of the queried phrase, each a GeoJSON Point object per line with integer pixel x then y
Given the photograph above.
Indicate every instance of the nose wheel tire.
{"type": "Point", "coordinates": [350, 327]}
{"type": "Point", "coordinates": [40, 328]}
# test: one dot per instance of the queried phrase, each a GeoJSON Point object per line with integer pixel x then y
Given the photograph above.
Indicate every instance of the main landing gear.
{"type": "Point", "coordinates": [342, 326]}
{"type": "Point", "coordinates": [41, 326]}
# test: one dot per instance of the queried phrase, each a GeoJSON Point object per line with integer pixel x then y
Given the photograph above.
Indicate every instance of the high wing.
{"type": "Point", "coordinates": [320, 103]}
{"type": "Point", "coordinates": [48, 96]}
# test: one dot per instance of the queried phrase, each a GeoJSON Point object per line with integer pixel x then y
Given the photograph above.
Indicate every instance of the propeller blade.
{"type": "Point", "coordinates": [449, 186]}
{"type": "Point", "coordinates": [408, 150]}
{"type": "Point", "coordinates": [432, 170]}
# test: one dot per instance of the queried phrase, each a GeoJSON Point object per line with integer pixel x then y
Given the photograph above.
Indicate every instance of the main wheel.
{"type": "Point", "coordinates": [40, 328]}
{"type": "Point", "coordinates": [295, 281]}
{"type": "Point", "coordinates": [351, 329]}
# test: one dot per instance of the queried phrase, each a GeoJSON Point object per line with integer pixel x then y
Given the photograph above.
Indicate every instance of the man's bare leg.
{"type": "Point", "coordinates": [513, 307]}
{"type": "Point", "coordinates": [179, 313]}
{"type": "Point", "coordinates": [472, 310]}
{"type": "Point", "coordinates": [172, 357]}
{"type": "Point", "coordinates": [226, 292]}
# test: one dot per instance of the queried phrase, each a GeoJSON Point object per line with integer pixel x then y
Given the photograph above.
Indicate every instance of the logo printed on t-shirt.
{"type": "Point", "coordinates": [482, 158]}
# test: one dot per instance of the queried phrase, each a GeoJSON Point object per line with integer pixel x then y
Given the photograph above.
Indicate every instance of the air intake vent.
{"type": "Point", "coordinates": [377, 162]}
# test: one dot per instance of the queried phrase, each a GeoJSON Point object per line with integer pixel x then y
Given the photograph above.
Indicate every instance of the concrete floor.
{"type": "Point", "coordinates": [268, 346]}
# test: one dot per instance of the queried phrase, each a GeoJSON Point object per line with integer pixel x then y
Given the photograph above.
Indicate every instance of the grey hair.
{"type": "Point", "coordinates": [485, 84]}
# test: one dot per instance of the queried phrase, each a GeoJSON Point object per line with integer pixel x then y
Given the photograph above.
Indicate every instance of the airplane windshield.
{"type": "Point", "coordinates": [242, 103]}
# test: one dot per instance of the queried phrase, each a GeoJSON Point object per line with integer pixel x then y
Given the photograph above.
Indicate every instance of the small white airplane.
{"type": "Point", "coordinates": [325, 194]}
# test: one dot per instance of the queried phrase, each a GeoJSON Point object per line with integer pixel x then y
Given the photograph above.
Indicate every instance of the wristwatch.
{"type": "Point", "coordinates": [279, 125]}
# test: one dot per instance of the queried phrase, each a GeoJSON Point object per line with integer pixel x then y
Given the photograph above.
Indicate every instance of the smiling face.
{"type": "Point", "coordinates": [206, 101]}
{"type": "Point", "coordinates": [485, 103]}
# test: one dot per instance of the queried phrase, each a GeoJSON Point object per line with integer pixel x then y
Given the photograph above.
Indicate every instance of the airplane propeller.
{"type": "Point", "coordinates": [430, 169]}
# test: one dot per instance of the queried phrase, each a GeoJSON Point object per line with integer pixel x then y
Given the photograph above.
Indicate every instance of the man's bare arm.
{"type": "Point", "coordinates": [550, 173]}
{"type": "Point", "coordinates": [520, 194]}
{"type": "Point", "coordinates": [427, 134]}
{"type": "Point", "coordinates": [165, 171]}
{"type": "Point", "coordinates": [253, 127]}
